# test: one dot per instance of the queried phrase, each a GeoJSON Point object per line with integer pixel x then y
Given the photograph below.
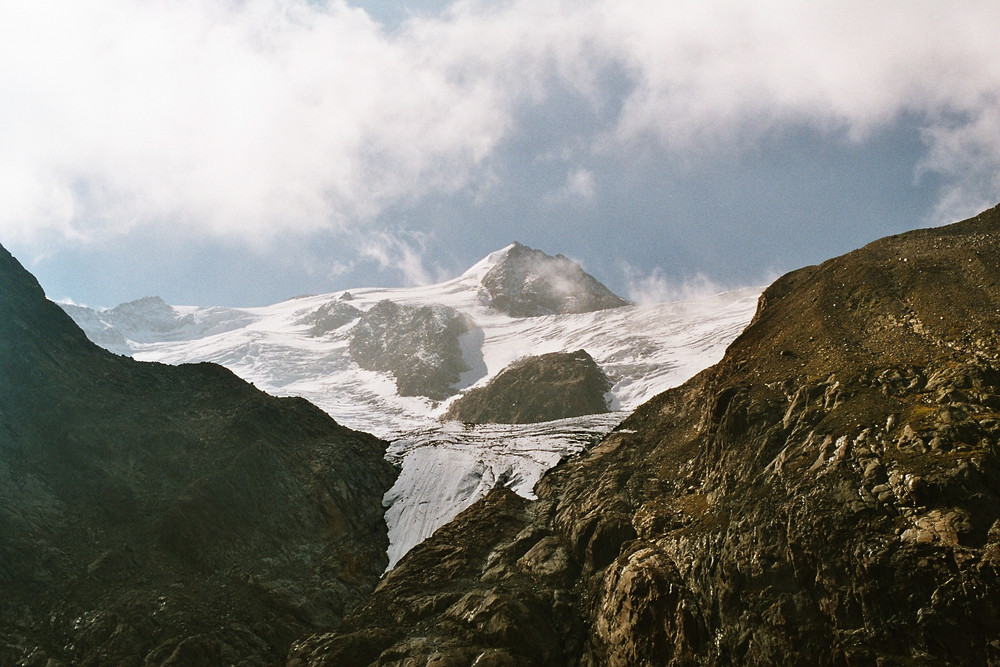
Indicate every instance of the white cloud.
{"type": "Point", "coordinates": [267, 117]}
{"type": "Point", "coordinates": [578, 189]}
{"type": "Point", "coordinates": [971, 148]}
{"type": "Point", "coordinates": [655, 287]}
{"type": "Point", "coordinates": [247, 120]}
{"type": "Point", "coordinates": [404, 252]}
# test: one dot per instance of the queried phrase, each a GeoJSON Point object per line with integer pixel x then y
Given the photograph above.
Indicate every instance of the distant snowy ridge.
{"type": "Point", "coordinates": [286, 349]}
{"type": "Point", "coordinates": [151, 319]}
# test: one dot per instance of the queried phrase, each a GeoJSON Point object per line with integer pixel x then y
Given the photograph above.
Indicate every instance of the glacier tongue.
{"type": "Point", "coordinates": [445, 467]}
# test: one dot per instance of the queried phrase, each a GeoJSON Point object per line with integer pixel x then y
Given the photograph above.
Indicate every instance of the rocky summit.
{"type": "Point", "coordinates": [829, 493]}
{"type": "Point", "coordinates": [170, 515]}
{"type": "Point", "coordinates": [537, 389]}
{"type": "Point", "coordinates": [529, 283]}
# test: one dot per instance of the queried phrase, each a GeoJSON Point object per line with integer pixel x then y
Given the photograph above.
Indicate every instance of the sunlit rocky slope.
{"type": "Point", "coordinates": [829, 493]}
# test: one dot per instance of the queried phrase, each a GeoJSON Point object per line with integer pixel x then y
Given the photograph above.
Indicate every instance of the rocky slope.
{"type": "Point", "coordinates": [529, 283]}
{"type": "Point", "coordinates": [329, 317]}
{"type": "Point", "coordinates": [154, 514]}
{"type": "Point", "coordinates": [419, 345]}
{"type": "Point", "coordinates": [537, 389]}
{"type": "Point", "coordinates": [829, 493]}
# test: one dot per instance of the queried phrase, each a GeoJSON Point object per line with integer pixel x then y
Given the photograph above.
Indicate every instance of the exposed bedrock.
{"type": "Point", "coordinates": [529, 283]}
{"type": "Point", "coordinates": [537, 389]}
{"type": "Point", "coordinates": [419, 345]}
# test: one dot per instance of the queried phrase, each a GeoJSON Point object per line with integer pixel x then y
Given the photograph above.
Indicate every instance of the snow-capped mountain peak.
{"type": "Point", "coordinates": [516, 302]}
{"type": "Point", "coordinates": [476, 272]}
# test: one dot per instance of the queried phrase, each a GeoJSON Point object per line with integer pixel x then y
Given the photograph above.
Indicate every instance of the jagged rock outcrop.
{"type": "Point", "coordinates": [419, 345]}
{"type": "Point", "coordinates": [537, 389]}
{"type": "Point", "coordinates": [529, 283]}
{"type": "Point", "coordinates": [829, 493]}
{"type": "Point", "coordinates": [174, 515]}
{"type": "Point", "coordinates": [330, 316]}
{"type": "Point", "coordinates": [469, 594]}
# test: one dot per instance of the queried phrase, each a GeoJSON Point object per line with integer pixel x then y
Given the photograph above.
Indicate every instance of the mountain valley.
{"type": "Point", "coordinates": [393, 362]}
{"type": "Point", "coordinates": [828, 492]}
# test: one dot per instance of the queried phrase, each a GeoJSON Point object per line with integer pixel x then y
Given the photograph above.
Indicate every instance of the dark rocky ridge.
{"type": "Point", "coordinates": [537, 389]}
{"type": "Point", "coordinates": [829, 493]}
{"type": "Point", "coordinates": [529, 283]}
{"type": "Point", "coordinates": [418, 345]}
{"type": "Point", "coordinates": [154, 514]}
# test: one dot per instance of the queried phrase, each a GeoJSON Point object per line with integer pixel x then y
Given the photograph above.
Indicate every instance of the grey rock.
{"type": "Point", "coordinates": [418, 345]}
{"type": "Point", "coordinates": [529, 283]}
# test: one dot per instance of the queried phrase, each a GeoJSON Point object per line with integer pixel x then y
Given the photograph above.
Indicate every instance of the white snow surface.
{"type": "Point", "coordinates": [446, 466]}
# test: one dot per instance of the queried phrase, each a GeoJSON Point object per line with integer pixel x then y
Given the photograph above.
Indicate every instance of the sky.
{"type": "Point", "coordinates": [241, 152]}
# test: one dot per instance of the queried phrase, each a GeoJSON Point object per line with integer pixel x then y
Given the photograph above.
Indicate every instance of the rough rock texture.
{"type": "Point", "coordinates": [419, 345]}
{"type": "Point", "coordinates": [537, 389]}
{"type": "Point", "coordinates": [528, 283]}
{"type": "Point", "coordinates": [486, 589]}
{"type": "Point", "coordinates": [330, 316]}
{"type": "Point", "coordinates": [829, 493]}
{"type": "Point", "coordinates": [156, 514]}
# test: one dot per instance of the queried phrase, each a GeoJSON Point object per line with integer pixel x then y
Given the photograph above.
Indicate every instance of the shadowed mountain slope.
{"type": "Point", "coordinates": [155, 514]}
{"type": "Point", "coordinates": [829, 493]}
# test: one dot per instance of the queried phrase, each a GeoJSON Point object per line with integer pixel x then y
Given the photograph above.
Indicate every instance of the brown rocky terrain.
{"type": "Point", "coordinates": [537, 389]}
{"type": "Point", "coordinates": [170, 515]}
{"type": "Point", "coordinates": [829, 493]}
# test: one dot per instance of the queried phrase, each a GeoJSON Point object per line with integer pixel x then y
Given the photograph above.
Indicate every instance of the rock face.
{"type": "Point", "coordinates": [330, 317]}
{"type": "Point", "coordinates": [829, 493]}
{"type": "Point", "coordinates": [419, 345]}
{"type": "Point", "coordinates": [528, 283]}
{"type": "Point", "coordinates": [537, 389]}
{"type": "Point", "coordinates": [175, 515]}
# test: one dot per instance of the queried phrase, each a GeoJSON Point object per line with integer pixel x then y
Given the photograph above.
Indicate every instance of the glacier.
{"type": "Point", "coordinates": [444, 466]}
